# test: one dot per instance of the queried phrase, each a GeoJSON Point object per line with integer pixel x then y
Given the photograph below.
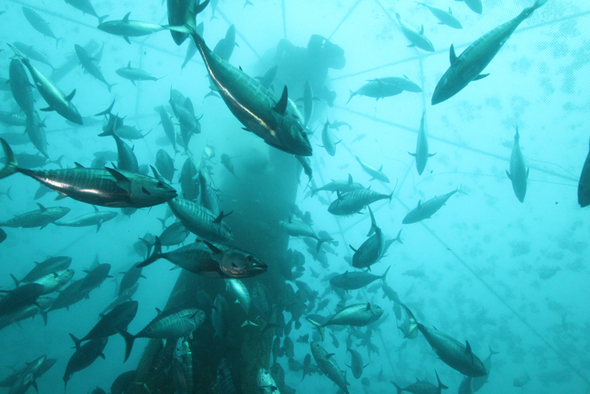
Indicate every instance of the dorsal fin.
{"type": "Point", "coordinates": [41, 207]}
{"type": "Point", "coordinates": [452, 55]}
{"type": "Point", "coordinates": [281, 106]}
{"type": "Point", "coordinates": [126, 17]}
{"type": "Point", "coordinates": [70, 96]}
{"type": "Point", "coordinates": [78, 165]}
{"type": "Point", "coordinates": [129, 64]}
{"type": "Point", "coordinates": [422, 30]}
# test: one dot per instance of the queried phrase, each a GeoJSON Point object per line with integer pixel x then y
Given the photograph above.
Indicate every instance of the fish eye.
{"type": "Point", "coordinates": [160, 184]}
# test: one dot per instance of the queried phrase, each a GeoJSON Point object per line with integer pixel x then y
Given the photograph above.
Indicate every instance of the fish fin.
{"type": "Point", "coordinates": [508, 174]}
{"type": "Point", "coordinates": [76, 341]}
{"type": "Point", "coordinates": [527, 173]}
{"type": "Point", "coordinates": [11, 165]}
{"type": "Point", "coordinates": [352, 94]}
{"type": "Point", "coordinates": [126, 17]}
{"type": "Point", "coordinates": [156, 254]}
{"type": "Point", "coordinates": [422, 30]}
{"type": "Point", "coordinates": [281, 106]}
{"type": "Point", "coordinates": [129, 339]}
{"type": "Point", "coordinates": [106, 111]}
{"type": "Point", "coordinates": [70, 96]}
{"type": "Point", "coordinates": [127, 39]}
{"type": "Point", "coordinates": [41, 207]}
{"type": "Point", "coordinates": [122, 181]}
{"type": "Point", "coordinates": [452, 55]}
{"type": "Point", "coordinates": [213, 248]}
{"type": "Point", "coordinates": [412, 154]}
{"type": "Point", "coordinates": [480, 76]}
{"type": "Point", "coordinates": [48, 109]}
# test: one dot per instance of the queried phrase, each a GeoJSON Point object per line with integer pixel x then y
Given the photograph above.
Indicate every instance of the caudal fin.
{"type": "Point", "coordinates": [398, 388]}
{"type": "Point", "coordinates": [319, 327]}
{"type": "Point", "coordinates": [156, 254]}
{"type": "Point", "coordinates": [76, 341]}
{"type": "Point", "coordinates": [129, 339]}
{"type": "Point", "coordinates": [11, 165]}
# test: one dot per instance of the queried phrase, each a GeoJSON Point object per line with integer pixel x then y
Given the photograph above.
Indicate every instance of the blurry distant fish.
{"type": "Point", "coordinates": [342, 186]}
{"type": "Point", "coordinates": [90, 219]}
{"type": "Point", "coordinates": [191, 49]}
{"type": "Point", "coordinates": [104, 187]}
{"type": "Point", "coordinates": [86, 7]}
{"type": "Point", "coordinates": [306, 164]}
{"type": "Point", "coordinates": [254, 107]}
{"type": "Point", "coordinates": [474, 5]}
{"type": "Point", "coordinates": [307, 100]}
{"type": "Point", "coordinates": [428, 208]}
{"type": "Point", "coordinates": [356, 363]}
{"type": "Point", "coordinates": [109, 324]}
{"type": "Point", "coordinates": [167, 124]}
{"type": "Point", "coordinates": [188, 180]}
{"type": "Point", "coordinates": [478, 383]}
{"type": "Point", "coordinates": [328, 140]}
{"type": "Point", "coordinates": [32, 53]}
{"type": "Point", "coordinates": [226, 161]}
{"type": "Point", "coordinates": [357, 315]}
{"type": "Point", "coordinates": [39, 23]}
{"type": "Point", "coordinates": [14, 138]}
{"type": "Point", "coordinates": [421, 154]}
{"type": "Point", "coordinates": [417, 38]}
{"type": "Point", "coordinates": [21, 88]}
{"type": "Point", "coordinates": [225, 47]}
{"type": "Point", "coordinates": [14, 119]}
{"type": "Point", "coordinates": [165, 164]}
{"type": "Point", "coordinates": [372, 250]}
{"type": "Point", "coordinates": [356, 279]}
{"type": "Point", "coordinates": [518, 172]}
{"type": "Point", "coordinates": [584, 184]}
{"type": "Point", "coordinates": [375, 173]}
{"type": "Point", "coordinates": [296, 228]}
{"type": "Point", "coordinates": [422, 386]}
{"type": "Point", "coordinates": [182, 366]}
{"type": "Point", "coordinates": [267, 79]}
{"type": "Point", "coordinates": [445, 18]}
{"type": "Point", "coordinates": [469, 65]}
{"type": "Point", "coordinates": [90, 65]}
{"type": "Point", "coordinates": [135, 74]}
{"type": "Point", "coordinates": [54, 97]}
{"type": "Point", "coordinates": [35, 130]}
{"type": "Point", "coordinates": [84, 356]}
{"type": "Point", "coordinates": [385, 87]}
{"type": "Point", "coordinates": [466, 386]}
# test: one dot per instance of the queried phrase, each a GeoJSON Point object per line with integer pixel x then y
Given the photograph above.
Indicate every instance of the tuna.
{"type": "Point", "coordinates": [182, 364]}
{"type": "Point", "coordinates": [385, 87]}
{"type": "Point", "coordinates": [135, 74]}
{"type": "Point", "coordinates": [445, 18]}
{"type": "Point", "coordinates": [296, 228]}
{"type": "Point", "coordinates": [103, 187]}
{"type": "Point", "coordinates": [39, 24]}
{"type": "Point", "coordinates": [90, 64]}
{"type": "Point", "coordinates": [375, 173]}
{"type": "Point", "coordinates": [328, 140]}
{"type": "Point", "coordinates": [200, 221]}
{"type": "Point", "coordinates": [329, 367]}
{"type": "Point", "coordinates": [165, 164]}
{"type": "Point", "coordinates": [518, 172]}
{"type": "Point", "coordinates": [357, 315]}
{"type": "Point", "coordinates": [181, 13]}
{"type": "Point", "coordinates": [84, 356]}
{"type": "Point", "coordinates": [429, 208]}
{"type": "Point", "coordinates": [356, 279]}
{"type": "Point", "coordinates": [97, 218]}
{"type": "Point", "coordinates": [372, 250]}
{"type": "Point", "coordinates": [352, 202]}
{"type": "Point", "coordinates": [342, 186]}
{"type": "Point", "coordinates": [416, 38]}
{"type": "Point", "coordinates": [469, 65]}
{"type": "Point", "coordinates": [422, 387]}
{"type": "Point", "coordinates": [38, 218]}
{"type": "Point", "coordinates": [117, 319]}
{"type": "Point", "coordinates": [170, 324]}
{"type": "Point", "coordinates": [422, 154]}
{"type": "Point", "coordinates": [129, 28]}
{"type": "Point", "coordinates": [21, 87]}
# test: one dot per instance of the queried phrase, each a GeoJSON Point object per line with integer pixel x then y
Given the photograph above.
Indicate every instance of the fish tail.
{"type": "Point", "coordinates": [156, 254]}
{"type": "Point", "coordinates": [320, 243]}
{"type": "Point", "coordinates": [461, 190]}
{"type": "Point", "coordinates": [8, 193]}
{"type": "Point", "coordinates": [441, 385]}
{"type": "Point", "coordinates": [106, 111]}
{"type": "Point", "coordinates": [538, 4]}
{"type": "Point", "coordinates": [102, 18]}
{"type": "Point", "coordinates": [76, 341]}
{"type": "Point", "coordinates": [129, 339]}
{"type": "Point", "coordinates": [350, 98]}
{"type": "Point", "coordinates": [397, 387]}
{"type": "Point", "coordinates": [57, 161]}
{"type": "Point", "coordinates": [319, 327]}
{"type": "Point", "coordinates": [374, 226]}
{"type": "Point", "coordinates": [398, 238]}
{"type": "Point", "coordinates": [11, 165]}
{"type": "Point", "coordinates": [384, 276]}
{"type": "Point", "coordinates": [491, 351]}
{"type": "Point", "coordinates": [248, 323]}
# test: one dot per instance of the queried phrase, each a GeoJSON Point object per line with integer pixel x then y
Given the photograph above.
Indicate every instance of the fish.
{"type": "Point", "coordinates": [135, 74]}
{"type": "Point", "coordinates": [469, 65]}
{"type": "Point", "coordinates": [103, 187]}
{"type": "Point", "coordinates": [225, 47]}
{"type": "Point", "coordinates": [518, 172]}
{"type": "Point", "coordinates": [465, 387]}
{"type": "Point", "coordinates": [306, 164]}
{"type": "Point", "coordinates": [129, 28]}
{"type": "Point", "coordinates": [296, 228]}
{"type": "Point", "coordinates": [328, 366]}
{"type": "Point", "coordinates": [584, 184]}
{"type": "Point", "coordinates": [379, 88]}
{"type": "Point", "coordinates": [445, 18]}
{"type": "Point", "coordinates": [342, 186]}
{"type": "Point", "coordinates": [185, 113]}
{"type": "Point", "coordinates": [38, 218]}
{"type": "Point", "coordinates": [188, 184]}
{"type": "Point", "coordinates": [265, 382]}
{"type": "Point", "coordinates": [20, 297]}
{"type": "Point", "coordinates": [32, 53]}
{"type": "Point", "coordinates": [421, 154]}
{"type": "Point", "coordinates": [206, 259]}
{"type": "Point", "coordinates": [182, 364]}
{"type": "Point", "coordinates": [29, 161]}
{"type": "Point", "coordinates": [84, 356]}
{"type": "Point", "coordinates": [307, 100]}
{"type": "Point", "coordinates": [39, 24]}
{"type": "Point", "coordinates": [269, 76]}
{"type": "Point", "coordinates": [372, 250]}
{"type": "Point", "coordinates": [90, 64]}
{"type": "Point", "coordinates": [452, 352]}
{"type": "Point", "coordinates": [237, 288]}
{"type": "Point", "coordinates": [427, 209]}
{"type": "Point", "coordinates": [416, 38]}
{"type": "Point", "coordinates": [220, 317]}
{"type": "Point", "coordinates": [208, 196]}
{"type": "Point", "coordinates": [54, 281]}
{"type": "Point", "coordinates": [474, 5]}
{"type": "Point", "coordinates": [46, 267]}
{"type": "Point", "coordinates": [21, 87]}
{"type": "Point", "coordinates": [126, 159]}
{"type": "Point", "coordinates": [477, 383]}
{"type": "Point", "coordinates": [375, 173]}
{"type": "Point", "coordinates": [357, 315]}
{"type": "Point", "coordinates": [165, 165]}
{"type": "Point", "coordinates": [14, 119]}
{"type": "Point", "coordinates": [328, 140]}
{"type": "Point", "coordinates": [422, 386]}
{"type": "Point", "coordinates": [170, 324]}
{"type": "Point", "coordinates": [200, 221]}
{"type": "Point", "coordinates": [56, 99]}
{"type": "Point", "coordinates": [191, 49]}
{"type": "Point", "coordinates": [35, 131]}
{"type": "Point", "coordinates": [69, 296]}
{"type": "Point", "coordinates": [123, 383]}
{"type": "Point", "coordinates": [167, 125]}
{"type": "Point", "coordinates": [117, 319]}
{"type": "Point", "coordinates": [356, 279]}
{"type": "Point", "coordinates": [97, 218]}
{"type": "Point", "coordinates": [253, 106]}
{"type": "Point", "coordinates": [352, 202]}
{"type": "Point", "coordinates": [227, 163]}
{"type": "Point", "coordinates": [28, 376]}
{"type": "Point", "coordinates": [180, 13]}
{"type": "Point", "coordinates": [356, 364]}
{"type": "Point", "coordinates": [86, 7]}
{"type": "Point", "coordinates": [95, 277]}
{"type": "Point", "coordinates": [174, 234]}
